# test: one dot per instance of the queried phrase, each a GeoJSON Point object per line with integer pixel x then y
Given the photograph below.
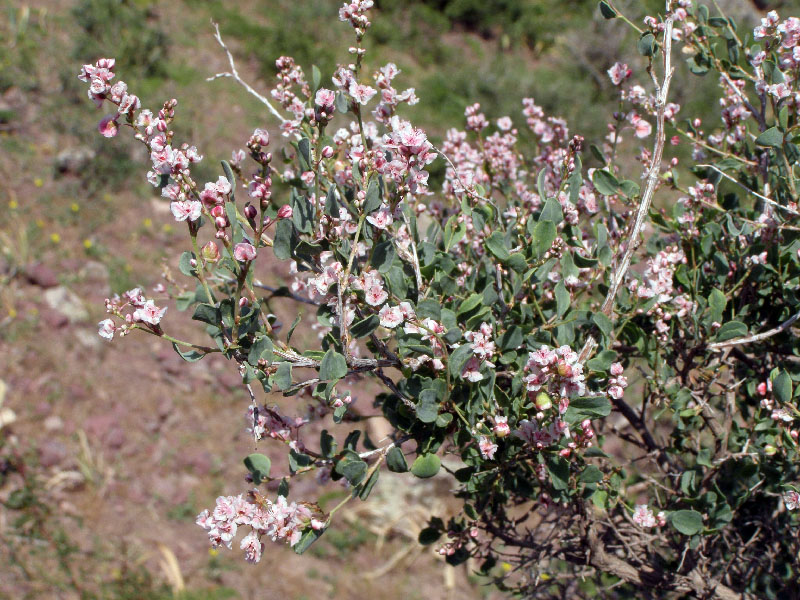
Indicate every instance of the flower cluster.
{"type": "Point", "coordinates": [133, 309]}
{"type": "Point", "coordinates": [279, 520]}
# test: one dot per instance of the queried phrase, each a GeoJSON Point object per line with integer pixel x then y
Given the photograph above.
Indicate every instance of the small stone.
{"type": "Point", "coordinates": [53, 319]}
{"type": "Point", "coordinates": [53, 423]}
{"type": "Point", "coordinates": [41, 275]}
{"type": "Point", "coordinates": [94, 271]}
{"type": "Point", "coordinates": [74, 160]}
{"type": "Point", "coordinates": [67, 303]}
{"type": "Point", "coordinates": [52, 453]}
{"type": "Point", "coordinates": [88, 338]}
{"type": "Point", "coordinates": [115, 438]}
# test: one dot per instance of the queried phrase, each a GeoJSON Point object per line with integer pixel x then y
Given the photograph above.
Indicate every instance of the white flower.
{"type": "Point", "coordinates": [107, 329]}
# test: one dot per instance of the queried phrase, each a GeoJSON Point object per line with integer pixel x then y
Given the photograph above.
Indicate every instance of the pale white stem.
{"type": "Point", "coordinates": [756, 337]}
{"type": "Point", "coordinates": [748, 190]}
{"type": "Point", "coordinates": [235, 75]}
{"type": "Point", "coordinates": [647, 197]}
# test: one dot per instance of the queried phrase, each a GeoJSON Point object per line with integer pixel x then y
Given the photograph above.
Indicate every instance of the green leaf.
{"type": "Point", "coordinates": [282, 244]}
{"type": "Point", "coordinates": [259, 466]}
{"type": "Point", "coordinates": [352, 468]}
{"type": "Point", "coordinates": [731, 330]}
{"type": "Point", "coordinates": [687, 522]}
{"type": "Point", "coordinates": [544, 234]}
{"type": "Point", "coordinates": [647, 44]}
{"type": "Point", "coordinates": [261, 348]}
{"type": "Point", "coordinates": [717, 303]}
{"type": "Point", "coordinates": [189, 355]}
{"type": "Point", "coordinates": [366, 489]}
{"type": "Point", "coordinates": [308, 538]}
{"type": "Point", "coordinates": [468, 305]}
{"type": "Point", "coordinates": [591, 474]}
{"type": "Point", "coordinates": [552, 211]}
{"type": "Point", "coordinates": [233, 218]}
{"type": "Point", "coordinates": [185, 265]}
{"type": "Point", "coordinates": [603, 323]}
{"type": "Point", "coordinates": [333, 366]}
{"type": "Point", "coordinates": [373, 199]}
{"type": "Point", "coordinates": [304, 153]}
{"type": "Point", "coordinates": [429, 535]}
{"type": "Point", "coordinates": [782, 387]}
{"type": "Point", "coordinates": [206, 313]}
{"type": "Point", "coordinates": [558, 468]}
{"type": "Point", "coordinates": [587, 408]}
{"type": "Point", "coordinates": [605, 182]}
{"type": "Point", "coordinates": [226, 168]}
{"type": "Point", "coordinates": [302, 212]}
{"type": "Point", "coordinates": [327, 444]}
{"type": "Point", "coordinates": [607, 11]}
{"type": "Point", "coordinates": [562, 298]}
{"type": "Point", "coordinates": [511, 339]}
{"type": "Point", "coordinates": [496, 244]}
{"type": "Point", "coordinates": [316, 77]}
{"type": "Point", "coordinates": [366, 326]}
{"type": "Point", "coordinates": [383, 256]}
{"type": "Point", "coordinates": [772, 137]}
{"type": "Point", "coordinates": [426, 465]}
{"type": "Point", "coordinates": [396, 461]}
{"type": "Point", "coordinates": [516, 261]}
{"type": "Point", "coordinates": [283, 376]}
{"type": "Point", "coordinates": [458, 359]}
{"type": "Point", "coordinates": [428, 406]}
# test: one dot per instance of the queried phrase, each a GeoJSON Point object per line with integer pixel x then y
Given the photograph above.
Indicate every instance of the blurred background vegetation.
{"type": "Point", "coordinates": [73, 199]}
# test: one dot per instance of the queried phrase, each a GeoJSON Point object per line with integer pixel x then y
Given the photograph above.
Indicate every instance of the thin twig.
{"type": "Point", "coordinates": [647, 197]}
{"type": "Point", "coordinates": [748, 190]}
{"type": "Point", "coordinates": [756, 337]}
{"type": "Point", "coordinates": [235, 75]}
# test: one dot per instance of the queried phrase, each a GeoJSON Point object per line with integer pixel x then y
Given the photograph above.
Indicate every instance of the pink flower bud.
{"type": "Point", "coordinates": [285, 212]}
{"type": "Point", "coordinates": [218, 211]}
{"type": "Point", "coordinates": [221, 222]}
{"type": "Point", "coordinates": [243, 302]}
{"type": "Point", "coordinates": [108, 126]}
{"type": "Point", "coordinates": [250, 211]}
{"type": "Point", "coordinates": [543, 401]}
{"type": "Point", "coordinates": [210, 252]}
{"type": "Point", "coordinates": [762, 389]}
{"type": "Point", "coordinates": [244, 252]}
{"type": "Point", "coordinates": [327, 152]}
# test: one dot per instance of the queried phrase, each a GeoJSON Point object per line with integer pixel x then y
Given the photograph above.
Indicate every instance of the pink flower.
{"type": "Point", "coordinates": [618, 73]}
{"type": "Point", "coordinates": [501, 428]}
{"type": "Point", "coordinates": [107, 329]}
{"type": "Point", "coordinates": [641, 127]}
{"type": "Point", "coordinates": [129, 104]}
{"type": "Point", "coordinates": [252, 547]}
{"type": "Point", "coordinates": [471, 371]}
{"type": "Point", "coordinates": [285, 212]}
{"type": "Point", "coordinates": [792, 500]}
{"type": "Point", "coordinates": [504, 123]}
{"type": "Point", "coordinates": [244, 252]}
{"type": "Point", "coordinates": [487, 447]}
{"type": "Point", "coordinates": [391, 317]}
{"type": "Point", "coordinates": [108, 126]}
{"type": "Point", "coordinates": [616, 369]}
{"type": "Point", "coordinates": [376, 295]}
{"type": "Point", "coordinates": [325, 98]}
{"type": "Point", "coordinates": [186, 209]}
{"type": "Point", "coordinates": [149, 313]}
{"type": "Point", "coordinates": [382, 218]}
{"type": "Point", "coordinates": [643, 516]}
{"type": "Point", "coordinates": [361, 93]}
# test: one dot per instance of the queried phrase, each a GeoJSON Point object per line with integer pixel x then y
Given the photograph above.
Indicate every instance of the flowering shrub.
{"type": "Point", "coordinates": [634, 425]}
